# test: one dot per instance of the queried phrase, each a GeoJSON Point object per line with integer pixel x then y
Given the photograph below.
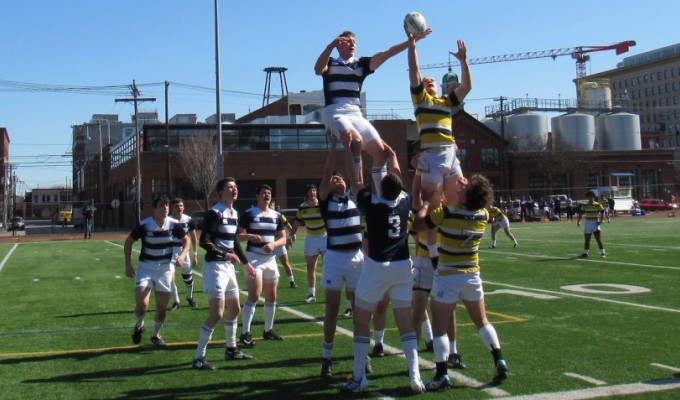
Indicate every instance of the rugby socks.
{"type": "Point", "coordinates": [378, 335]}
{"type": "Point", "coordinates": [230, 328]}
{"type": "Point", "coordinates": [361, 344]}
{"type": "Point", "coordinates": [248, 312]}
{"type": "Point", "coordinates": [441, 355]}
{"type": "Point", "coordinates": [204, 337]}
{"type": "Point", "coordinates": [139, 320]}
{"type": "Point", "coordinates": [409, 342]}
{"type": "Point", "coordinates": [453, 348]}
{"type": "Point", "coordinates": [489, 337]}
{"type": "Point", "coordinates": [269, 312]}
{"type": "Point", "coordinates": [157, 325]}
{"type": "Point", "coordinates": [189, 283]}
{"type": "Point", "coordinates": [327, 350]}
{"type": "Point", "coordinates": [426, 330]}
{"type": "Point", "coordinates": [174, 293]}
{"type": "Point", "coordinates": [378, 173]}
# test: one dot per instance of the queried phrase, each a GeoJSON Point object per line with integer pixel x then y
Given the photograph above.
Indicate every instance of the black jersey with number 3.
{"type": "Point", "coordinates": [386, 225]}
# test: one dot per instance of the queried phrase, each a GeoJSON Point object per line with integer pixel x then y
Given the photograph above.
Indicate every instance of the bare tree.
{"type": "Point", "coordinates": [199, 161]}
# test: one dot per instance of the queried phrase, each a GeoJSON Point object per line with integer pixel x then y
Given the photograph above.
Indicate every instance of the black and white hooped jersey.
{"type": "Point", "coordinates": [343, 79]}
{"type": "Point", "coordinates": [157, 241]}
{"type": "Point", "coordinates": [263, 223]}
{"type": "Point", "coordinates": [343, 222]}
{"type": "Point", "coordinates": [386, 225]}
{"type": "Point", "coordinates": [221, 224]}
{"type": "Point", "coordinates": [187, 224]}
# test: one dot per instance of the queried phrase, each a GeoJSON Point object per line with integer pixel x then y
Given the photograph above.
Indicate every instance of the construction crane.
{"type": "Point", "coordinates": [580, 54]}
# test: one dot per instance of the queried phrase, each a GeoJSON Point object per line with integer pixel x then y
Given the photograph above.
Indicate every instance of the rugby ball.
{"type": "Point", "coordinates": [415, 23]}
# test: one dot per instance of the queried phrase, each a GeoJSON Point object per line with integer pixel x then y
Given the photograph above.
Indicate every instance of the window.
{"type": "Point", "coordinates": [490, 158]}
{"type": "Point", "coordinates": [461, 154]}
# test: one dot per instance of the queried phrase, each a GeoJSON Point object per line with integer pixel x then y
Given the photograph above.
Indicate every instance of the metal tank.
{"type": "Point", "coordinates": [527, 131]}
{"type": "Point", "coordinates": [493, 124]}
{"type": "Point", "coordinates": [574, 131]}
{"type": "Point", "coordinates": [621, 131]}
{"type": "Point", "coordinates": [595, 94]}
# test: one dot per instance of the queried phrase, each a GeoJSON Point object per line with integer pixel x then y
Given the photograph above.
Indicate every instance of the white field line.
{"type": "Point", "coordinates": [668, 367]}
{"type": "Point", "coordinates": [580, 296]}
{"type": "Point", "coordinates": [625, 389]}
{"type": "Point", "coordinates": [6, 258]}
{"type": "Point", "coordinates": [587, 379]}
{"type": "Point", "coordinates": [595, 258]}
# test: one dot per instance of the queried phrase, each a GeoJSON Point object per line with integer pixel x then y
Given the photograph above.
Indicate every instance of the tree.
{"type": "Point", "coordinates": [199, 161]}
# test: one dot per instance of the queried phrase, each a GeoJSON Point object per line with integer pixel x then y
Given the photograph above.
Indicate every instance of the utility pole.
{"type": "Point", "coordinates": [138, 140]}
{"type": "Point", "coordinates": [218, 111]}
{"type": "Point", "coordinates": [168, 181]}
{"type": "Point", "coordinates": [503, 148]}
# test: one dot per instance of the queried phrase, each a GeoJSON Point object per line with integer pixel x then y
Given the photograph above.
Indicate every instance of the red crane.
{"type": "Point", "coordinates": [580, 54]}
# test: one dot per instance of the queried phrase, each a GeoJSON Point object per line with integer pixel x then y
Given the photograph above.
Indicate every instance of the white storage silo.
{"type": "Point", "coordinates": [595, 94]}
{"type": "Point", "coordinates": [493, 124]}
{"type": "Point", "coordinates": [621, 131]}
{"type": "Point", "coordinates": [527, 131]}
{"type": "Point", "coordinates": [576, 131]}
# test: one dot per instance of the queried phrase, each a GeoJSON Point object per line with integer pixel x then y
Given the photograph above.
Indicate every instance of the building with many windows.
{"type": "Point", "coordinates": [648, 84]}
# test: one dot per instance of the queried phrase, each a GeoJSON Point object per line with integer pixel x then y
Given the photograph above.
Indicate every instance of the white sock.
{"type": "Point", "coordinates": [489, 337]}
{"type": "Point", "coordinates": [426, 330]}
{"type": "Point", "coordinates": [248, 313]}
{"type": "Point", "coordinates": [269, 313]}
{"type": "Point", "coordinates": [230, 328]}
{"type": "Point", "coordinates": [204, 337]}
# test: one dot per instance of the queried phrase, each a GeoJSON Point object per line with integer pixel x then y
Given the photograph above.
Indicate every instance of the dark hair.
{"type": "Point", "coordinates": [262, 187]}
{"type": "Point", "coordinates": [177, 200]}
{"type": "Point", "coordinates": [223, 183]}
{"type": "Point", "coordinates": [309, 187]}
{"type": "Point", "coordinates": [479, 193]}
{"type": "Point", "coordinates": [348, 34]}
{"type": "Point", "coordinates": [590, 193]}
{"type": "Point", "coordinates": [163, 199]}
{"type": "Point", "coordinates": [390, 186]}
{"type": "Point", "coordinates": [338, 174]}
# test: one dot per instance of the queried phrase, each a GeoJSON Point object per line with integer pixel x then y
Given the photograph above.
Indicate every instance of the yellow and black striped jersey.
{"type": "Point", "coordinates": [433, 117]}
{"type": "Point", "coordinates": [461, 232]}
{"type": "Point", "coordinates": [591, 211]}
{"type": "Point", "coordinates": [310, 216]}
{"type": "Point", "coordinates": [496, 214]}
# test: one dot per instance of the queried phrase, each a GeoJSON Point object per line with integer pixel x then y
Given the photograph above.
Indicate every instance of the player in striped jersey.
{"type": "Point", "coordinates": [309, 215]}
{"type": "Point", "coordinates": [500, 220]}
{"type": "Point", "coordinates": [189, 226]}
{"type": "Point", "coordinates": [594, 214]}
{"type": "Point", "coordinates": [343, 259]}
{"type": "Point", "coordinates": [156, 265]}
{"type": "Point", "coordinates": [342, 81]}
{"type": "Point", "coordinates": [264, 230]}
{"type": "Point", "coordinates": [438, 168]}
{"type": "Point", "coordinates": [218, 239]}
{"type": "Point", "coordinates": [458, 274]}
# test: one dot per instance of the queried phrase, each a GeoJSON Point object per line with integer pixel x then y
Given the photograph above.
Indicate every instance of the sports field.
{"type": "Point", "coordinates": [570, 328]}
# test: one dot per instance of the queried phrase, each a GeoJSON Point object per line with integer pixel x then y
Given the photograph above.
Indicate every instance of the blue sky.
{"type": "Point", "coordinates": [111, 42]}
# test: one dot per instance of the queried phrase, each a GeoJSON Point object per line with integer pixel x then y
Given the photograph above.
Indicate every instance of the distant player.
{"type": "Point", "coordinates": [594, 214]}
{"type": "Point", "coordinates": [189, 226]}
{"type": "Point", "coordinates": [282, 252]}
{"type": "Point", "coordinates": [500, 220]}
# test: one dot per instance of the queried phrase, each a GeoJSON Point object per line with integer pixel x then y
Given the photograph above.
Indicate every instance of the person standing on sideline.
{"type": "Point", "coordinates": [500, 220]}
{"type": "Point", "coordinates": [343, 259]}
{"type": "Point", "coordinates": [570, 209]}
{"type": "Point", "coordinates": [282, 252]}
{"type": "Point", "coordinates": [458, 274]}
{"type": "Point", "coordinates": [264, 230]}
{"type": "Point", "coordinates": [438, 168]}
{"type": "Point", "coordinates": [218, 239]}
{"type": "Point", "coordinates": [342, 80]}
{"type": "Point", "coordinates": [189, 226]}
{"type": "Point", "coordinates": [156, 266]}
{"type": "Point", "coordinates": [386, 270]}
{"type": "Point", "coordinates": [309, 215]}
{"type": "Point", "coordinates": [88, 215]}
{"type": "Point", "coordinates": [594, 214]}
